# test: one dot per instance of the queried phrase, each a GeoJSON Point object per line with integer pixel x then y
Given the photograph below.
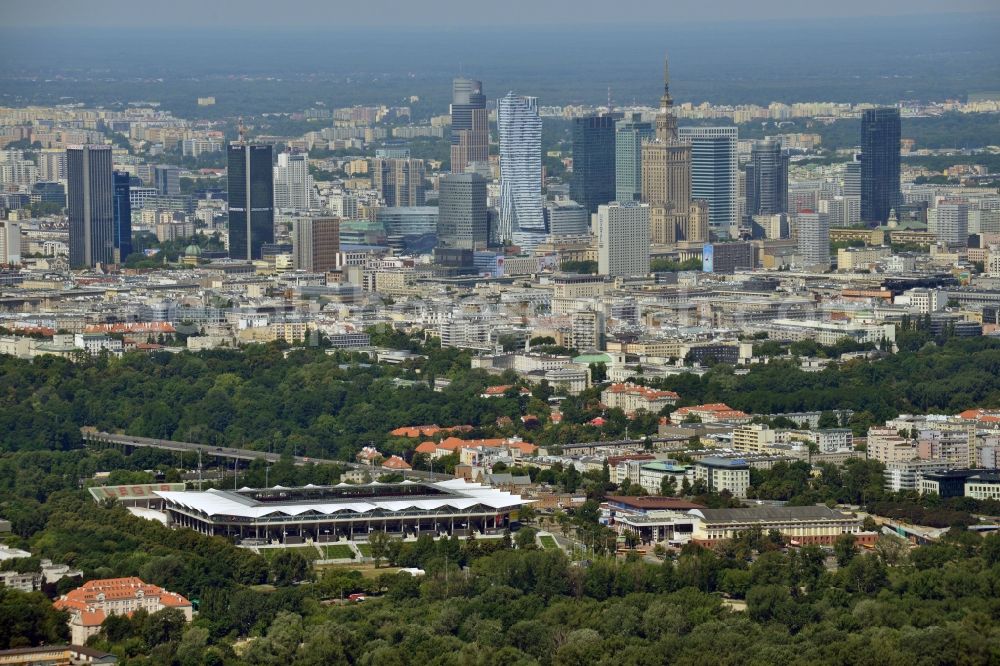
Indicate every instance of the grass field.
{"type": "Point", "coordinates": [548, 543]}
{"type": "Point", "coordinates": [307, 552]}
{"type": "Point", "coordinates": [337, 551]}
{"type": "Point", "coordinates": [365, 548]}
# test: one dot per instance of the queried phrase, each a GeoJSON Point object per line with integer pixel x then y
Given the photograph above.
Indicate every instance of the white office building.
{"type": "Point", "coordinates": [520, 131]}
{"type": "Point", "coordinates": [813, 239]}
{"type": "Point", "coordinates": [949, 222]}
{"type": "Point", "coordinates": [293, 186]}
{"type": "Point", "coordinates": [623, 239]}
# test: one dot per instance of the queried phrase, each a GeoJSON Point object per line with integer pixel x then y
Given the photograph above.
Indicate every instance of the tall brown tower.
{"type": "Point", "coordinates": [666, 173]}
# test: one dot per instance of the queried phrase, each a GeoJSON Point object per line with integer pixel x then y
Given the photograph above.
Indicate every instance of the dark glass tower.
{"type": "Point", "coordinates": [122, 216]}
{"type": "Point", "coordinates": [90, 199]}
{"type": "Point", "coordinates": [251, 199]}
{"type": "Point", "coordinates": [470, 129]}
{"type": "Point", "coordinates": [593, 180]}
{"type": "Point", "coordinates": [462, 213]}
{"type": "Point", "coordinates": [880, 193]}
{"type": "Point", "coordinates": [767, 179]}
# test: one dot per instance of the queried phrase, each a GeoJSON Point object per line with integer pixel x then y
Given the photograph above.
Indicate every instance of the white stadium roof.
{"type": "Point", "coordinates": [455, 494]}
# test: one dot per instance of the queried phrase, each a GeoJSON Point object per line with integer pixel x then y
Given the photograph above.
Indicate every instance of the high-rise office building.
{"type": "Point", "coordinates": [623, 239]}
{"type": "Point", "coordinates": [520, 130]}
{"type": "Point", "coordinates": [630, 134]}
{"type": "Point", "coordinates": [666, 172]}
{"type": "Point", "coordinates": [122, 216]}
{"type": "Point", "coordinates": [293, 185]}
{"type": "Point", "coordinates": [462, 213]}
{"type": "Point", "coordinates": [715, 174]}
{"type": "Point", "coordinates": [766, 179]}
{"type": "Point", "coordinates": [593, 180]}
{"type": "Point", "coordinates": [10, 242]}
{"type": "Point", "coordinates": [880, 190]}
{"type": "Point", "coordinates": [566, 218]}
{"type": "Point", "coordinates": [167, 180]}
{"type": "Point", "coordinates": [400, 182]}
{"type": "Point", "coordinates": [90, 199]}
{"type": "Point", "coordinates": [52, 164]}
{"type": "Point", "coordinates": [470, 125]}
{"type": "Point", "coordinates": [251, 199]}
{"type": "Point", "coordinates": [315, 243]}
{"type": "Point", "coordinates": [813, 230]}
{"type": "Point", "coordinates": [949, 222]}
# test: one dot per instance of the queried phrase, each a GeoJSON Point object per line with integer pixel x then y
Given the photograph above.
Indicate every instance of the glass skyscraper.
{"type": "Point", "coordinates": [90, 199]}
{"type": "Point", "coordinates": [251, 199]}
{"type": "Point", "coordinates": [462, 215]}
{"type": "Point", "coordinates": [520, 130]}
{"type": "Point", "coordinates": [629, 136]}
{"type": "Point", "coordinates": [122, 216]}
{"type": "Point", "coordinates": [470, 124]}
{"type": "Point", "coordinates": [715, 174]}
{"type": "Point", "coordinates": [880, 191]}
{"type": "Point", "coordinates": [767, 179]}
{"type": "Point", "coordinates": [593, 181]}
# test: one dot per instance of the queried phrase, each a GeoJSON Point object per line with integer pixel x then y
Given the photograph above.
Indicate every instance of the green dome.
{"type": "Point", "coordinates": [192, 250]}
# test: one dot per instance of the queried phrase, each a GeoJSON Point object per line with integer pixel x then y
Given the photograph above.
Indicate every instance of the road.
{"type": "Point", "coordinates": [98, 437]}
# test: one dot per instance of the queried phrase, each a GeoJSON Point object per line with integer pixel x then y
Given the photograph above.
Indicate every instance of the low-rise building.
{"type": "Point", "coordinates": [90, 604]}
{"type": "Point", "coordinates": [632, 397]}
{"type": "Point", "coordinates": [800, 524]}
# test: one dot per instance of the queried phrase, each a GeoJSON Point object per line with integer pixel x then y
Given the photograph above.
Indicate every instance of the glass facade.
{"type": "Point", "coordinates": [593, 181]}
{"type": "Point", "coordinates": [123, 216]}
{"type": "Point", "coordinates": [90, 198]}
{"type": "Point", "coordinates": [251, 199]}
{"type": "Point", "coordinates": [880, 191]}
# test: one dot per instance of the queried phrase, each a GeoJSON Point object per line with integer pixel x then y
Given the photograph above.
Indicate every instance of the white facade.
{"type": "Point", "coordinates": [293, 186]}
{"type": "Point", "coordinates": [814, 238]}
{"type": "Point", "coordinates": [623, 239]}
{"type": "Point", "coordinates": [10, 243]}
{"type": "Point", "coordinates": [520, 131]}
{"type": "Point", "coordinates": [950, 223]}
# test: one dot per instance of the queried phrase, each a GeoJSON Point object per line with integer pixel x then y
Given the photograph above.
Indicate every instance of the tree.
{"type": "Point", "coordinates": [844, 549]}
{"type": "Point", "coordinates": [668, 486]}
{"type": "Point", "coordinates": [525, 538]}
{"type": "Point", "coordinates": [379, 542]}
{"type": "Point", "coordinates": [289, 567]}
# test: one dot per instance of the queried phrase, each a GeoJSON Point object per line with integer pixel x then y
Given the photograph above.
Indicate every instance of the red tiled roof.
{"type": "Point", "coordinates": [395, 462]}
{"type": "Point", "coordinates": [88, 598]}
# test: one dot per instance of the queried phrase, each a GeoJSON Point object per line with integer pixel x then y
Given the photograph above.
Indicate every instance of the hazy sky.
{"type": "Point", "coordinates": [332, 14]}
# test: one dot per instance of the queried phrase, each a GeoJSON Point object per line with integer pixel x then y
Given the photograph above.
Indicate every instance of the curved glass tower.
{"type": "Point", "coordinates": [520, 130]}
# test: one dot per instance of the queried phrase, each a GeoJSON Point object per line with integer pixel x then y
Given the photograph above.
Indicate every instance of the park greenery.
{"type": "Point", "coordinates": [488, 600]}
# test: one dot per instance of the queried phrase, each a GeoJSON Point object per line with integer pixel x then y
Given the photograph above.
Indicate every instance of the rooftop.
{"type": "Point", "coordinates": [770, 514]}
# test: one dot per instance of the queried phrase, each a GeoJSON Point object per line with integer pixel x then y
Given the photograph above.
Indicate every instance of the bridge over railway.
{"type": "Point", "coordinates": [93, 436]}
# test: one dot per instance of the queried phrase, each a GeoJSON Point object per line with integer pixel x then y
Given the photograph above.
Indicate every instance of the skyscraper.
{"type": "Point", "coordinates": [813, 229]}
{"type": "Point", "coordinates": [293, 186]}
{"type": "Point", "coordinates": [949, 222]}
{"type": "Point", "coordinates": [167, 180]}
{"type": "Point", "coordinates": [880, 191]}
{"type": "Point", "coordinates": [520, 130]}
{"type": "Point", "coordinates": [90, 198]}
{"type": "Point", "coordinates": [400, 182]}
{"type": "Point", "coordinates": [767, 179]}
{"type": "Point", "coordinates": [666, 172]}
{"type": "Point", "coordinates": [462, 214]}
{"type": "Point", "coordinates": [623, 239]}
{"type": "Point", "coordinates": [470, 124]}
{"type": "Point", "coordinates": [315, 243]}
{"type": "Point", "coordinates": [251, 199]}
{"type": "Point", "coordinates": [122, 216]}
{"type": "Point", "coordinates": [715, 174]}
{"type": "Point", "coordinates": [629, 137]}
{"type": "Point", "coordinates": [593, 181]}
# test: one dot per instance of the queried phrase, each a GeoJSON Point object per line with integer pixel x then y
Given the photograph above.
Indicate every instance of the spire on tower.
{"type": "Point", "coordinates": [666, 75]}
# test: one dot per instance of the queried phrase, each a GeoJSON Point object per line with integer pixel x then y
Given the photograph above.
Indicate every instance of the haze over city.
{"type": "Point", "coordinates": [553, 333]}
